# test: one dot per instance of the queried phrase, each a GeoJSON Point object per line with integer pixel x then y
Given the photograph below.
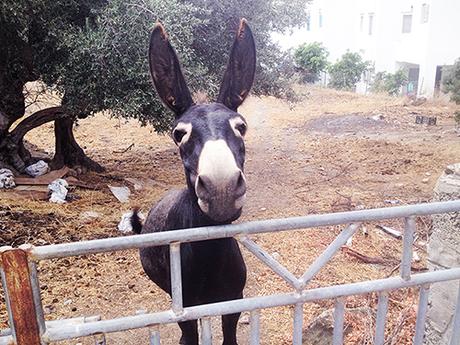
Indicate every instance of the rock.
{"type": "Point", "coordinates": [425, 180]}
{"type": "Point", "coordinates": [38, 169]}
{"type": "Point", "coordinates": [58, 189]}
{"type": "Point", "coordinates": [453, 169]}
{"type": "Point", "coordinates": [378, 117]}
{"type": "Point", "coordinates": [245, 319]}
{"type": "Point", "coordinates": [444, 251]}
{"type": "Point", "coordinates": [89, 216]}
{"type": "Point", "coordinates": [320, 330]}
{"type": "Point", "coordinates": [121, 193]}
{"type": "Point", "coordinates": [6, 179]}
{"type": "Point", "coordinates": [125, 223]}
{"type": "Point", "coordinates": [67, 302]}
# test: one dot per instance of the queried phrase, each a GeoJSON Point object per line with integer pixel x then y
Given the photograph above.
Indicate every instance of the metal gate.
{"type": "Point", "coordinates": [28, 327]}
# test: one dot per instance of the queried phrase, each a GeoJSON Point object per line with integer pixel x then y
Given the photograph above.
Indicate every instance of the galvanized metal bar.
{"type": "Point", "coordinates": [455, 337]}
{"type": "Point", "coordinates": [176, 278]}
{"type": "Point", "coordinates": [154, 335]}
{"type": "Point", "coordinates": [37, 297]}
{"type": "Point", "coordinates": [408, 240]}
{"type": "Point", "coordinates": [330, 251]}
{"type": "Point", "coordinates": [267, 259]}
{"type": "Point", "coordinates": [255, 327]}
{"type": "Point", "coordinates": [59, 323]}
{"type": "Point", "coordinates": [298, 324]}
{"type": "Point", "coordinates": [339, 312]}
{"type": "Point", "coordinates": [382, 309]}
{"type": "Point", "coordinates": [247, 304]}
{"type": "Point", "coordinates": [17, 277]}
{"type": "Point", "coordinates": [206, 332]}
{"type": "Point", "coordinates": [7, 340]}
{"type": "Point", "coordinates": [232, 230]}
{"type": "Point", "coordinates": [5, 292]}
{"type": "Point", "coordinates": [421, 314]}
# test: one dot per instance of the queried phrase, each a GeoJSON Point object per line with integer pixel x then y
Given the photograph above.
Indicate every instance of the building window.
{"type": "Point", "coordinates": [320, 19]}
{"type": "Point", "coordinates": [407, 23]}
{"type": "Point", "coordinates": [371, 23]}
{"type": "Point", "coordinates": [308, 21]}
{"type": "Point", "coordinates": [425, 13]}
{"type": "Point", "coordinates": [361, 23]}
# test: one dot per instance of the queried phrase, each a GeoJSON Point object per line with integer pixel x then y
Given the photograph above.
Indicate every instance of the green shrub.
{"type": "Point", "coordinates": [347, 71]}
{"type": "Point", "coordinates": [451, 81]}
{"type": "Point", "coordinates": [311, 59]}
{"type": "Point", "coordinates": [389, 82]}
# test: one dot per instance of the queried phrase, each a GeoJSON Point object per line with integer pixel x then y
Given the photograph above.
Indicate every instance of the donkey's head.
{"type": "Point", "coordinates": [210, 136]}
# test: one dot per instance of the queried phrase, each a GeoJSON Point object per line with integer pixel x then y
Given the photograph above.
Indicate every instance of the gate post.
{"type": "Point", "coordinates": [443, 252]}
{"type": "Point", "coordinates": [15, 266]}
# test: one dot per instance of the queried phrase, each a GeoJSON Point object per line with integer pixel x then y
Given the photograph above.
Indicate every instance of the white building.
{"type": "Point", "coordinates": [420, 36]}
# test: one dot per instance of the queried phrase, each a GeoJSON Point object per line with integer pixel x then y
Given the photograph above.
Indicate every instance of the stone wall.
{"type": "Point", "coordinates": [444, 252]}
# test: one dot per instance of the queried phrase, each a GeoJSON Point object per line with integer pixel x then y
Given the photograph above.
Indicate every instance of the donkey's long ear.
{"type": "Point", "coordinates": [239, 76]}
{"type": "Point", "coordinates": [166, 72]}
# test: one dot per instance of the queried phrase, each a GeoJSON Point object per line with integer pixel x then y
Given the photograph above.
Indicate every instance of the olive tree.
{"type": "Point", "coordinates": [93, 54]}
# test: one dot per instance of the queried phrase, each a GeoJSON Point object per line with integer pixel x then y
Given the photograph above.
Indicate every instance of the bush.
{"type": "Point", "coordinates": [451, 81]}
{"type": "Point", "coordinates": [347, 71]}
{"type": "Point", "coordinates": [389, 82]}
{"type": "Point", "coordinates": [311, 59]}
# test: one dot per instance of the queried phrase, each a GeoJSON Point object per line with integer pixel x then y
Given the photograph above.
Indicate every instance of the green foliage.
{"type": "Point", "coordinates": [389, 82]}
{"type": "Point", "coordinates": [451, 81]}
{"type": "Point", "coordinates": [347, 71]}
{"type": "Point", "coordinates": [311, 59]}
{"type": "Point", "coordinates": [457, 118]}
{"type": "Point", "coordinates": [95, 52]}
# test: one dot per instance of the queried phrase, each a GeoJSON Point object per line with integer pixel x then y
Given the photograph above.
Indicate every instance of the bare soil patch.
{"type": "Point", "coordinates": [326, 154]}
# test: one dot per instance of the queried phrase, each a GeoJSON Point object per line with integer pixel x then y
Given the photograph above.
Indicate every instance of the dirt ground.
{"type": "Point", "coordinates": [334, 151]}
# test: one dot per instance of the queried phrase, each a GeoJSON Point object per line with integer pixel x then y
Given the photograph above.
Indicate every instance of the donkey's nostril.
{"type": "Point", "coordinates": [240, 186]}
{"type": "Point", "coordinates": [203, 186]}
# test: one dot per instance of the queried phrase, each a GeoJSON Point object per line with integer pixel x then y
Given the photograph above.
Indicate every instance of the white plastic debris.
{"type": "Point", "coordinates": [58, 189]}
{"type": "Point", "coordinates": [121, 193]}
{"type": "Point", "coordinates": [38, 169]}
{"type": "Point", "coordinates": [349, 242]}
{"type": "Point", "coordinates": [125, 222]}
{"type": "Point", "coordinates": [6, 179]}
{"type": "Point", "coordinates": [415, 256]}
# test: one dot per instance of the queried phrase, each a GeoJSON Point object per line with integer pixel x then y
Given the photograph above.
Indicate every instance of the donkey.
{"type": "Point", "coordinates": [210, 138]}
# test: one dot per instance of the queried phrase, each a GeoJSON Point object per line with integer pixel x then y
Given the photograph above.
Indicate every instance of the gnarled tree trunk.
{"type": "Point", "coordinates": [14, 156]}
{"type": "Point", "coordinates": [68, 152]}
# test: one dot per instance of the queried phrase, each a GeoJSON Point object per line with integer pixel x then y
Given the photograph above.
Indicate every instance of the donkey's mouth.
{"type": "Point", "coordinates": [223, 212]}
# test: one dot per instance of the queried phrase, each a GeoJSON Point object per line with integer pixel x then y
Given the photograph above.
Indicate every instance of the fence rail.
{"type": "Point", "coordinates": [28, 326]}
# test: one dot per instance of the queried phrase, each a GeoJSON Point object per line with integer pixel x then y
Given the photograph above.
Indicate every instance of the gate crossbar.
{"type": "Point", "coordinates": [232, 230]}
{"type": "Point", "coordinates": [248, 304]}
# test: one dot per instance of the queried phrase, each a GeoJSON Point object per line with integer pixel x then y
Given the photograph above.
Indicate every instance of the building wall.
{"type": "Point", "coordinates": [429, 43]}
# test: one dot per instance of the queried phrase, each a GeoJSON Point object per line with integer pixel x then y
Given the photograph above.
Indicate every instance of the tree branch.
{"type": "Point", "coordinates": [35, 120]}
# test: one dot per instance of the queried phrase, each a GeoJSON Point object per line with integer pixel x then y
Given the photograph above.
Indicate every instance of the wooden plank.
{"type": "Point", "coordinates": [16, 269]}
{"type": "Point", "coordinates": [43, 180]}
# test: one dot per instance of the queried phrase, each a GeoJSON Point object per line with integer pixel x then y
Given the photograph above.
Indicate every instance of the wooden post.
{"type": "Point", "coordinates": [17, 277]}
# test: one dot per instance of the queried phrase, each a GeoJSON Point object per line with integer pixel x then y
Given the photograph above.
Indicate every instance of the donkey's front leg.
{"type": "Point", "coordinates": [229, 323]}
{"type": "Point", "coordinates": [189, 333]}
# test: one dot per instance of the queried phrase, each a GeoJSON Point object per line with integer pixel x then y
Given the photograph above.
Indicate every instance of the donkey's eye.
{"type": "Point", "coordinates": [182, 132]}
{"type": "Point", "coordinates": [178, 135]}
{"type": "Point", "coordinates": [241, 127]}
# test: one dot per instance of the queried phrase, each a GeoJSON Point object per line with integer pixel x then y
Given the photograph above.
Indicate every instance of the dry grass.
{"type": "Point", "coordinates": [324, 155]}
